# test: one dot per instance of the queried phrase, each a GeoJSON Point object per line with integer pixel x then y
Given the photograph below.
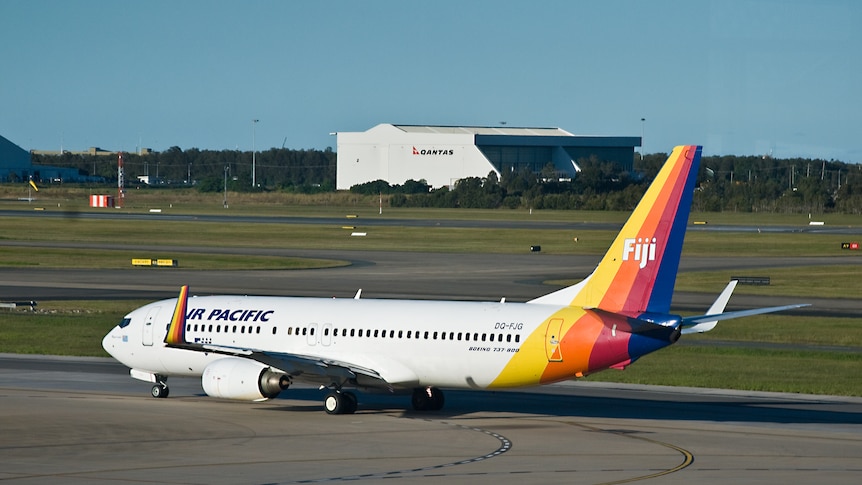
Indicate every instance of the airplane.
{"type": "Point", "coordinates": [254, 347]}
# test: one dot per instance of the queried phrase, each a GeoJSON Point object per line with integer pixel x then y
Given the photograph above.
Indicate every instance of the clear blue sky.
{"type": "Point", "coordinates": [740, 77]}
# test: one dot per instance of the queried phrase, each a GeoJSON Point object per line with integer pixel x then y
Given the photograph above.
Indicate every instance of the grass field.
{"type": "Point", "coordinates": [76, 328]}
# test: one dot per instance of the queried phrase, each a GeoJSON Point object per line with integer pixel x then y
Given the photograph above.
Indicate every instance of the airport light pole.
{"type": "Point", "coordinates": [643, 120]}
{"type": "Point", "coordinates": [253, 177]}
{"type": "Point", "coordinates": [226, 169]}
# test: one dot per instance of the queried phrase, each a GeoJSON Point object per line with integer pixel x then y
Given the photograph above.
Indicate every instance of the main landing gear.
{"type": "Point", "coordinates": [427, 399]}
{"type": "Point", "coordinates": [339, 402]}
{"type": "Point", "coordinates": [160, 390]}
{"type": "Point", "coordinates": [344, 402]}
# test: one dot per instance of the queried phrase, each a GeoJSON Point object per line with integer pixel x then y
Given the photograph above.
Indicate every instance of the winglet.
{"type": "Point", "coordinates": [177, 329]}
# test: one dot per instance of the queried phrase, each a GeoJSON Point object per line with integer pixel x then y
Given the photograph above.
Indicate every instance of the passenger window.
{"type": "Point", "coordinates": [274, 329]}
{"type": "Point", "coordinates": [234, 329]}
{"type": "Point", "coordinates": [435, 335]}
{"type": "Point", "coordinates": [443, 336]}
{"type": "Point", "coordinates": [400, 333]}
{"type": "Point", "coordinates": [218, 328]}
{"type": "Point", "coordinates": [376, 333]}
{"type": "Point", "coordinates": [518, 338]}
{"type": "Point", "coordinates": [509, 338]}
{"type": "Point", "coordinates": [305, 330]}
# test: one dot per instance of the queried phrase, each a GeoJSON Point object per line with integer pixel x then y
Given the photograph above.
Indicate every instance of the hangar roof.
{"type": "Point", "coordinates": [483, 130]}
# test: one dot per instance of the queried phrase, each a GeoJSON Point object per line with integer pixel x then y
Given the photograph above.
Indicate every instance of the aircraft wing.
{"type": "Point", "coordinates": [300, 367]}
{"type": "Point", "coordinates": [315, 369]}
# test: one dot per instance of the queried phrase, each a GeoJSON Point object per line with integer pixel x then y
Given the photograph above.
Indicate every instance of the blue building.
{"type": "Point", "coordinates": [16, 165]}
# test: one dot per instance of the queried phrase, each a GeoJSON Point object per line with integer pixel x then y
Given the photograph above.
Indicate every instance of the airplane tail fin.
{"type": "Point", "coordinates": [638, 272]}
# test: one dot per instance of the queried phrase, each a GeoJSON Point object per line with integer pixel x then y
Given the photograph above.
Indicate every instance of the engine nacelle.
{"type": "Point", "coordinates": [243, 379]}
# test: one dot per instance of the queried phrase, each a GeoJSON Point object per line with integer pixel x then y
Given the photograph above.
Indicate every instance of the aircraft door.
{"type": "Point", "coordinates": [311, 338]}
{"type": "Point", "coordinates": [553, 337]}
{"type": "Point", "coordinates": [149, 322]}
{"type": "Point", "coordinates": [326, 335]}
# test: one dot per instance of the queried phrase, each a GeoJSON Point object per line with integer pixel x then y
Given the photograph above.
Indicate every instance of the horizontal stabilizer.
{"type": "Point", "coordinates": [717, 307]}
{"type": "Point", "coordinates": [691, 324]}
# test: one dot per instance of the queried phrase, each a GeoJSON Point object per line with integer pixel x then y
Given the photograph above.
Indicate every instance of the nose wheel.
{"type": "Point", "coordinates": [160, 390]}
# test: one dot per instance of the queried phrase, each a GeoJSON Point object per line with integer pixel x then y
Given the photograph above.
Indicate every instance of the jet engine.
{"type": "Point", "coordinates": [243, 379]}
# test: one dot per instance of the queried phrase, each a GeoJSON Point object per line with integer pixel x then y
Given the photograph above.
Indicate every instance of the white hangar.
{"type": "Point", "coordinates": [442, 155]}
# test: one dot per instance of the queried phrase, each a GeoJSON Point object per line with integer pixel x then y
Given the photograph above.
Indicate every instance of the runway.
{"type": "Point", "coordinates": [401, 222]}
{"type": "Point", "coordinates": [83, 420]}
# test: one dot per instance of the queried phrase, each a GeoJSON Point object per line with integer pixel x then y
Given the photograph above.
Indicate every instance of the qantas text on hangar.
{"type": "Point", "coordinates": [433, 151]}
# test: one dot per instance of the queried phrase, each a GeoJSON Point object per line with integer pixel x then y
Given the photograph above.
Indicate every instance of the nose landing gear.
{"type": "Point", "coordinates": [160, 390]}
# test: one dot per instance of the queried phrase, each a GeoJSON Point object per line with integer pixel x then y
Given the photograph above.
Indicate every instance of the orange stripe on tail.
{"type": "Point", "coordinates": [177, 329]}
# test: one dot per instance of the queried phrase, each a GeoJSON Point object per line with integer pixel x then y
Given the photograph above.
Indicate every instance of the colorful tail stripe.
{"type": "Point", "coordinates": [177, 329]}
{"type": "Point", "coordinates": [600, 328]}
{"type": "Point", "coordinates": [638, 272]}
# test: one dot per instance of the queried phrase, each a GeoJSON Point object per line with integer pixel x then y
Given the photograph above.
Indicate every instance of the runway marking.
{"type": "Point", "coordinates": [505, 445]}
{"type": "Point", "coordinates": [688, 457]}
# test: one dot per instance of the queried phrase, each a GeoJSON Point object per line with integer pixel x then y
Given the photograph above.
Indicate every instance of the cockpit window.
{"type": "Point", "coordinates": [125, 323]}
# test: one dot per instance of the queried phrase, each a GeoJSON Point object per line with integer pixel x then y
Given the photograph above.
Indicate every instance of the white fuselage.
{"type": "Point", "coordinates": [409, 343]}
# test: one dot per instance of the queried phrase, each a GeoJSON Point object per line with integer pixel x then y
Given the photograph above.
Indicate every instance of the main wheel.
{"type": "Point", "coordinates": [437, 399]}
{"type": "Point", "coordinates": [427, 399]}
{"type": "Point", "coordinates": [337, 402]}
{"type": "Point", "coordinates": [351, 402]}
{"type": "Point", "coordinates": [332, 403]}
{"type": "Point", "coordinates": [420, 400]}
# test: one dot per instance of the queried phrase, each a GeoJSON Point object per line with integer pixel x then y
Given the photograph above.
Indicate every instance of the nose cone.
{"type": "Point", "coordinates": [106, 343]}
{"type": "Point", "coordinates": [111, 341]}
